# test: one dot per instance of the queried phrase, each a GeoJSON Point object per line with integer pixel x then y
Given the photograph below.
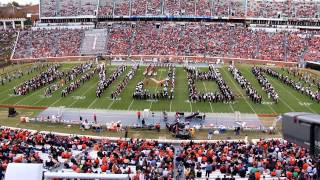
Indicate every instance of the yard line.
{"type": "Point", "coordinates": [231, 107]}
{"type": "Point", "coordinates": [156, 90]}
{"type": "Point", "coordinates": [55, 102]}
{"type": "Point", "coordinates": [81, 95]}
{"type": "Point", "coordinates": [190, 106]}
{"type": "Point", "coordinates": [130, 104]}
{"type": "Point", "coordinates": [38, 101]}
{"type": "Point", "coordinates": [291, 94]}
{"type": "Point", "coordinates": [284, 102]}
{"type": "Point", "coordinates": [239, 90]}
{"type": "Point", "coordinates": [110, 104]}
{"type": "Point", "coordinates": [92, 103]}
{"type": "Point", "coordinates": [30, 95]}
{"type": "Point", "coordinates": [205, 87]}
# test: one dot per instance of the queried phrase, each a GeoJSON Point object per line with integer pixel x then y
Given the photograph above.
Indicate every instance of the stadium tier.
{"type": "Point", "coordinates": [178, 8]}
{"type": "Point", "coordinates": [175, 39]}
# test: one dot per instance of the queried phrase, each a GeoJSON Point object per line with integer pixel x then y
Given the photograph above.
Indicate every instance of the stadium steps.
{"type": "Point", "coordinates": [94, 42]}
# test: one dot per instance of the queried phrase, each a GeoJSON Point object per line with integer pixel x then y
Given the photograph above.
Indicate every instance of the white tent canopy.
{"type": "Point", "coordinates": [24, 171]}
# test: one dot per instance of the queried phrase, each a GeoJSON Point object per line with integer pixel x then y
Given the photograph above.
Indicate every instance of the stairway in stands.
{"type": "Point", "coordinates": [94, 42]}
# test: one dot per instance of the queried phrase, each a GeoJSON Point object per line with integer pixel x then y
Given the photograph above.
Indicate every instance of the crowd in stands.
{"type": "Point", "coordinates": [52, 8]}
{"type": "Point", "coordinates": [167, 85]}
{"type": "Point", "coordinates": [7, 39]}
{"type": "Point", "coordinates": [43, 79]}
{"type": "Point", "coordinates": [296, 85]}
{"type": "Point", "coordinates": [49, 43]}
{"type": "Point", "coordinates": [265, 84]}
{"type": "Point", "coordinates": [245, 84]}
{"type": "Point", "coordinates": [225, 95]}
{"type": "Point", "coordinates": [265, 158]}
{"type": "Point", "coordinates": [142, 159]}
{"type": "Point", "coordinates": [104, 81]}
{"type": "Point", "coordinates": [125, 82]}
{"type": "Point", "coordinates": [207, 8]}
{"type": "Point", "coordinates": [176, 39]}
{"type": "Point", "coordinates": [138, 158]}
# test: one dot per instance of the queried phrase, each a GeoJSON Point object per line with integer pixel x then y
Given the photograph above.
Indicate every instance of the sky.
{"type": "Point", "coordinates": [22, 2]}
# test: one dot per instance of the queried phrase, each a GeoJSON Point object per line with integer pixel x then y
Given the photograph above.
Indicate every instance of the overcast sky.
{"type": "Point", "coordinates": [22, 2]}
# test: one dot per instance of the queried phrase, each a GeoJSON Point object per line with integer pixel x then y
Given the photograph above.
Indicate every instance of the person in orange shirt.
{"type": "Point", "coordinates": [257, 175]}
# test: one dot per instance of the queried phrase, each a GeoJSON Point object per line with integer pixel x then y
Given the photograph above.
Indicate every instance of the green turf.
{"type": "Point", "coordinates": [85, 96]}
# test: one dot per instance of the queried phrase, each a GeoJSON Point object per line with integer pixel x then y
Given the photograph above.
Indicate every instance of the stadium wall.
{"type": "Point", "coordinates": [178, 59]}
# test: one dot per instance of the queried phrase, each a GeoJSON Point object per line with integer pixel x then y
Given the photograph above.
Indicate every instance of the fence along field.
{"type": "Point", "coordinates": [85, 95]}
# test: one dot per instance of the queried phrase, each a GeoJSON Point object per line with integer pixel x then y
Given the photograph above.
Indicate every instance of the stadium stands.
{"type": "Point", "coordinates": [166, 38]}
{"type": "Point", "coordinates": [193, 8]}
{"type": "Point", "coordinates": [151, 159]}
{"type": "Point", "coordinates": [64, 8]}
{"type": "Point", "coordinates": [265, 158]}
{"type": "Point", "coordinates": [49, 43]}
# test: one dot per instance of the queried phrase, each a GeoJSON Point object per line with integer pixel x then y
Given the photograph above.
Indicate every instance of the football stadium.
{"type": "Point", "coordinates": [160, 89]}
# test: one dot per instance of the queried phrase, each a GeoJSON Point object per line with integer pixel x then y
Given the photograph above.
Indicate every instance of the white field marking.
{"type": "Point", "coordinates": [190, 106]}
{"type": "Point", "coordinates": [55, 102]}
{"type": "Point", "coordinates": [110, 104]}
{"type": "Point", "coordinates": [38, 101]}
{"type": "Point", "coordinates": [81, 95]}
{"type": "Point", "coordinates": [31, 95]}
{"type": "Point", "coordinates": [286, 104]}
{"type": "Point", "coordinates": [292, 94]}
{"type": "Point", "coordinates": [231, 107]}
{"type": "Point", "coordinates": [157, 86]}
{"type": "Point", "coordinates": [239, 91]}
{"type": "Point", "coordinates": [91, 104]}
{"type": "Point", "coordinates": [305, 103]}
{"type": "Point", "coordinates": [129, 107]}
{"type": "Point", "coordinates": [205, 87]}
{"type": "Point", "coordinates": [130, 104]}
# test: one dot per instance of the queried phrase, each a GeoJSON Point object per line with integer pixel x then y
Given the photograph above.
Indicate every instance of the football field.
{"type": "Point", "coordinates": [85, 96]}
